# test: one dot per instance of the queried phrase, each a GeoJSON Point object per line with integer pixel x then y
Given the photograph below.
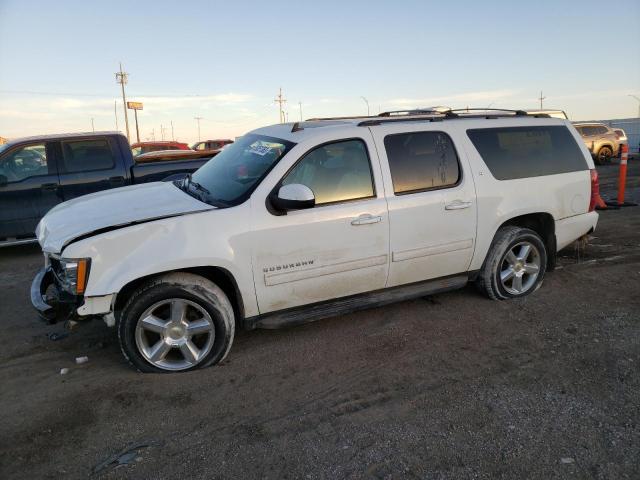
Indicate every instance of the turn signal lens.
{"type": "Point", "coordinates": [81, 276]}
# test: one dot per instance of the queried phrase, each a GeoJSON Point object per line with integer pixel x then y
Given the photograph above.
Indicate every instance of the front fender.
{"type": "Point", "coordinates": [217, 238]}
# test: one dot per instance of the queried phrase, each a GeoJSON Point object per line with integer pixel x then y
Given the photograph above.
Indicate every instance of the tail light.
{"type": "Point", "coordinates": [595, 189]}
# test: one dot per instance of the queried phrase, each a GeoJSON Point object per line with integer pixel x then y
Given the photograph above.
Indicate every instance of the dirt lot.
{"type": "Point", "coordinates": [450, 386]}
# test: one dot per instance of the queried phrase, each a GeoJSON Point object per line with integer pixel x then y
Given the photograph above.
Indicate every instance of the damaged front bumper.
{"type": "Point", "coordinates": [51, 304]}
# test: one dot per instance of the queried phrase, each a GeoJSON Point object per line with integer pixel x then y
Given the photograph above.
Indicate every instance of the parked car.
{"type": "Point", "coordinates": [37, 173]}
{"type": "Point", "coordinates": [602, 141]}
{"type": "Point", "coordinates": [622, 139]}
{"type": "Point", "coordinates": [293, 223]}
{"type": "Point", "coordinates": [146, 147]}
{"type": "Point", "coordinates": [211, 144]}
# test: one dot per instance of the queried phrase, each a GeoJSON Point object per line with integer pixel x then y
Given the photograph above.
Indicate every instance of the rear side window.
{"type": "Point", "coordinates": [421, 161]}
{"type": "Point", "coordinates": [87, 155]}
{"type": "Point", "coordinates": [520, 152]}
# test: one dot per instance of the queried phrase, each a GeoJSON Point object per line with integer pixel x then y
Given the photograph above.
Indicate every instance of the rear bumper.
{"type": "Point", "coordinates": [570, 229]}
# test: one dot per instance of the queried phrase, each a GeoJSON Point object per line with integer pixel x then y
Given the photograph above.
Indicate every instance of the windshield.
{"type": "Point", "coordinates": [3, 147]}
{"type": "Point", "coordinates": [229, 178]}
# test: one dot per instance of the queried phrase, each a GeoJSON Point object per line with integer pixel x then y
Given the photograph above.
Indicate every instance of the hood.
{"type": "Point", "coordinates": [113, 208]}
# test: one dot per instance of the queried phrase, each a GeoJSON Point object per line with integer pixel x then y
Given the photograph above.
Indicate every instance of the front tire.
{"type": "Point", "coordinates": [515, 265]}
{"type": "Point", "coordinates": [176, 323]}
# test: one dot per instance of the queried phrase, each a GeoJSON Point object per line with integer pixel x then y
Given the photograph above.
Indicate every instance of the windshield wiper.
{"type": "Point", "coordinates": [187, 181]}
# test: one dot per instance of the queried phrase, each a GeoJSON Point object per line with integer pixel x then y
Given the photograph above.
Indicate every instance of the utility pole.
{"type": "Point", "coordinates": [638, 99]}
{"type": "Point", "coordinates": [367, 102]}
{"type": "Point", "coordinates": [122, 78]}
{"type": "Point", "coordinates": [93, 129]}
{"type": "Point", "coordinates": [173, 137]}
{"type": "Point", "coordinates": [300, 105]}
{"type": "Point", "coordinates": [280, 100]}
{"type": "Point", "coordinates": [115, 113]}
{"type": "Point", "coordinates": [153, 134]}
{"type": "Point", "coordinates": [197, 119]}
{"type": "Point", "coordinates": [541, 99]}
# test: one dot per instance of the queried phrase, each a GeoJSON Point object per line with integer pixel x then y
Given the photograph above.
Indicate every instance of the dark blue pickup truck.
{"type": "Point", "coordinates": [37, 173]}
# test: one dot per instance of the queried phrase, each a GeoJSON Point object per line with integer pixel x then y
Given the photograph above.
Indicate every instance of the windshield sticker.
{"type": "Point", "coordinates": [261, 150]}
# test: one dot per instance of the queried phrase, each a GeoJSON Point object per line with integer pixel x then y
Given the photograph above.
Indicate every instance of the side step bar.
{"type": "Point", "coordinates": [340, 306]}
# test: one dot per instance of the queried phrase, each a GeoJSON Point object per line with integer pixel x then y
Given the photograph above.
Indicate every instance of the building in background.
{"type": "Point", "coordinates": [3, 140]}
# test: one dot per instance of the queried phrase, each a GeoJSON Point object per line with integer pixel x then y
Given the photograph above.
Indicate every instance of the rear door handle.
{"type": "Point", "coordinates": [366, 219]}
{"type": "Point", "coordinates": [457, 205]}
{"type": "Point", "coordinates": [49, 187]}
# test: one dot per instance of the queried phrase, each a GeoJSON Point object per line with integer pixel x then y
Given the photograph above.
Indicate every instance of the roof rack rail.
{"type": "Point", "coordinates": [419, 111]}
{"type": "Point", "coordinates": [518, 113]}
{"type": "Point", "coordinates": [457, 113]}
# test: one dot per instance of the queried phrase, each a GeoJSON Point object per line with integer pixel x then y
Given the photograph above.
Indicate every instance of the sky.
{"type": "Point", "coordinates": [225, 61]}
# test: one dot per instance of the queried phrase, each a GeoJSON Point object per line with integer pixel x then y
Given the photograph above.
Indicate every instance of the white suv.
{"type": "Point", "coordinates": [292, 223]}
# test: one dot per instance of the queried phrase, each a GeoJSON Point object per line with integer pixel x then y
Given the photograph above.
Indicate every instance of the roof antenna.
{"type": "Point", "coordinates": [296, 127]}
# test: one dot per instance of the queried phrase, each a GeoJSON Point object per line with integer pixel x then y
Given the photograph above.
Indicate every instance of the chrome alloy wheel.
{"type": "Point", "coordinates": [520, 268]}
{"type": "Point", "coordinates": [175, 334]}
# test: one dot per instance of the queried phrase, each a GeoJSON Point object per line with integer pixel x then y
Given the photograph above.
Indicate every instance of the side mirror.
{"type": "Point", "coordinates": [3, 181]}
{"type": "Point", "coordinates": [293, 197]}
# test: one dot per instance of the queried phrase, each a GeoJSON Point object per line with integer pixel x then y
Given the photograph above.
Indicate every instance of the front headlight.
{"type": "Point", "coordinates": [72, 274]}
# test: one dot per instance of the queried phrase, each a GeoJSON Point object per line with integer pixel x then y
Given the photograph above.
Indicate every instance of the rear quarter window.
{"type": "Point", "coordinates": [521, 152]}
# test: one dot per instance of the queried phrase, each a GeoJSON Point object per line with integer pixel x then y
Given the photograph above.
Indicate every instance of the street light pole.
{"type": "Point", "coordinates": [93, 129]}
{"type": "Point", "coordinates": [638, 99]}
{"type": "Point", "coordinates": [122, 78]}
{"type": "Point", "coordinates": [367, 102]}
{"type": "Point", "coordinates": [198, 120]}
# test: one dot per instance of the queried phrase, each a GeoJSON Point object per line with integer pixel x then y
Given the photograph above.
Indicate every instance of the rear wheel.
{"type": "Point", "coordinates": [604, 155]}
{"type": "Point", "coordinates": [515, 265]}
{"type": "Point", "coordinates": [176, 322]}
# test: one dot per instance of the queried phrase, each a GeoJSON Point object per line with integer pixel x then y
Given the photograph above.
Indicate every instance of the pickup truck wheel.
{"type": "Point", "coordinates": [515, 265]}
{"type": "Point", "coordinates": [175, 323]}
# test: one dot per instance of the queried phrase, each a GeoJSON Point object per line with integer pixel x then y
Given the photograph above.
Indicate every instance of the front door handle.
{"type": "Point", "coordinates": [457, 205]}
{"type": "Point", "coordinates": [366, 219]}
{"type": "Point", "coordinates": [49, 187]}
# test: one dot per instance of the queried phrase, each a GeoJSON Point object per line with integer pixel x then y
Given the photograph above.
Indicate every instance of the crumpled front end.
{"type": "Point", "coordinates": [56, 290]}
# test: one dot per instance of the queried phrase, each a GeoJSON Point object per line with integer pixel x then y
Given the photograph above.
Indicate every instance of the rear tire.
{"type": "Point", "coordinates": [176, 323]}
{"type": "Point", "coordinates": [515, 265]}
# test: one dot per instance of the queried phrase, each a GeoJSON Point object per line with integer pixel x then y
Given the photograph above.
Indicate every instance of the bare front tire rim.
{"type": "Point", "coordinates": [520, 268]}
{"type": "Point", "coordinates": [175, 334]}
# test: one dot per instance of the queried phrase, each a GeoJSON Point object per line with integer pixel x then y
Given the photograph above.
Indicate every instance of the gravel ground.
{"type": "Point", "coordinates": [449, 386]}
